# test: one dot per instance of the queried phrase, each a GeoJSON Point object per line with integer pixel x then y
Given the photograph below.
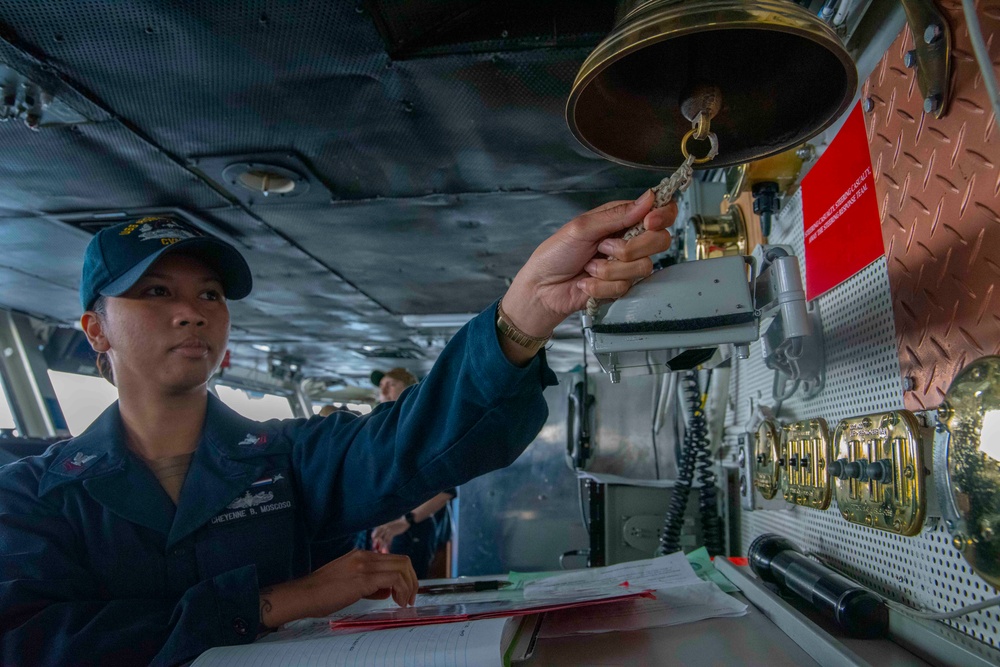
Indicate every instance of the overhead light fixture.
{"type": "Point", "coordinates": [438, 321]}
{"type": "Point", "coordinates": [266, 179]}
{"type": "Point", "coordinates": [389, 352]}
{"type": "Point", "coordinates": [266, 182]}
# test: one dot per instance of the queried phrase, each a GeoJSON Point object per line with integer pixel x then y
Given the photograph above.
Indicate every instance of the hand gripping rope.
{"type": "Point", "coordinates": [679, 181]}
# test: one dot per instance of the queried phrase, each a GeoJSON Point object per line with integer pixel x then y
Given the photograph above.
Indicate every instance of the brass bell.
{"type": "Point", "coordinates": [777, 75]}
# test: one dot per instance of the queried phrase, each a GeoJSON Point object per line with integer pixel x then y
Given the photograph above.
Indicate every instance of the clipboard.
{"type": "Point", "coordinates": [522, 643]}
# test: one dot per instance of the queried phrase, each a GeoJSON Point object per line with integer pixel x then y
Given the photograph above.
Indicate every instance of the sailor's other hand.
{"type": "Point", "coordinates": [573, 264]}
{"type": "Point", "coordinates": [383, 535]}
{"type": "Point", "coordinates": [339, 583]}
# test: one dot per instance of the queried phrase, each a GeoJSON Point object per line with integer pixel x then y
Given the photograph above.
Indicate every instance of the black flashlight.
{"type": "Point", "coordinates": [857, 611]}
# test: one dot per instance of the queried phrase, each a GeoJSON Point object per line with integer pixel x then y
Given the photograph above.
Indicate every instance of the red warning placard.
{"type": "Point", "coordinates": [840, 209]}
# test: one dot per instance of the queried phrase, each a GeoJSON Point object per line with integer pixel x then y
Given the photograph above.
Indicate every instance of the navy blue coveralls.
{"type": "Point", "coordinates": [97, 565]}
{"type": "Point", "coordinates": [420, 541]}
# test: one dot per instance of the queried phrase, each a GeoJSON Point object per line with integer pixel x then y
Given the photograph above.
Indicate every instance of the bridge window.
{"type": "Point", "coordinates": [255, 405]}
{"type": "Point", "coordinates": [82, 398]}
{"type": "Point", "coordinates": [6, 412]}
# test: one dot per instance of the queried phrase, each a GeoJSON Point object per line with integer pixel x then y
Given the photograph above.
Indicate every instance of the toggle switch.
{"type": "Point", "coordinates": [879, 471]}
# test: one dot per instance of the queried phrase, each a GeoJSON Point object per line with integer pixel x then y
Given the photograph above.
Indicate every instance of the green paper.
{"type": "Point", "coordinates": [519, 579]}
{"type": "Point", "coordinates": [703, 567]}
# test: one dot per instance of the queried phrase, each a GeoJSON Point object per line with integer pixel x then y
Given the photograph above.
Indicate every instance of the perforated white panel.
{"type": "Point", "coordinates": [863, 376]}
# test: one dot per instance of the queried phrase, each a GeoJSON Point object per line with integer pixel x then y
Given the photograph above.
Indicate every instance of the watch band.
{"type": "Point", "coordinates": [410, 519]}
{"type": "Point", "coordinates": [507, 329]}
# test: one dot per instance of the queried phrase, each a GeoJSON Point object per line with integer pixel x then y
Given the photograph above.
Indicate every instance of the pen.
{"type": "Point", "coordinates": [464, 587]}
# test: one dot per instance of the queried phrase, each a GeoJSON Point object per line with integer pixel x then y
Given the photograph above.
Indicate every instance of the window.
{"type": "Point", "coordinates": [6, 414]}
{"type": "Point", "coordinates": [362, 408]}
{"type": "Point", "coordinates": [255, 405]}
{"type": "Point", "coordinates": [82, 398]}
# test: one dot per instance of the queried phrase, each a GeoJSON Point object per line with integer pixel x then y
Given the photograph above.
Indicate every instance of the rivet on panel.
{"type": "Point", "coordinates": [932, 33]}
{"type": "Point", "coordinates": [932, 103]}
{"type": "Point", "coordinates": [987, 527]}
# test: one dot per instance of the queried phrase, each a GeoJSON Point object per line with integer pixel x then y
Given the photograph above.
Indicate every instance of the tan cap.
{"type": "Point", "coordinates": [401, 374]}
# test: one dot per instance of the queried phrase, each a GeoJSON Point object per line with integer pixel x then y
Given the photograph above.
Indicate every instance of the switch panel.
{"type": "Point", "coordinates": [878, 474]}
{"type": "Point", "coordinates": [767, 462]}
{"type": "Point", "coordinates": [807, 451]}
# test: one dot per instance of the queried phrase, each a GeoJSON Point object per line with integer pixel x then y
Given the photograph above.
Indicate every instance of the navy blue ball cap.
{"type": "Point", "coordinates": [118, 256]}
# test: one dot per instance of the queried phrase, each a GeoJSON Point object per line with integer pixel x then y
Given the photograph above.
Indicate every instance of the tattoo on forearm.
{"type": "Point", "coordinates": [265, 607]}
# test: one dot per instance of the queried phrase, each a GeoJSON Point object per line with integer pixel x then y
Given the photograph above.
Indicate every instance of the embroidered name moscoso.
{"type": "Point", "coordinates": [270, 493]}
{"type": "Point", "coordinates": [276, 506]}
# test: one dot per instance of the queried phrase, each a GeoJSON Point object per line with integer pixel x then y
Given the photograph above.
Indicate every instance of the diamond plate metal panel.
{"type": "Point", "coordinates": [938, 182]}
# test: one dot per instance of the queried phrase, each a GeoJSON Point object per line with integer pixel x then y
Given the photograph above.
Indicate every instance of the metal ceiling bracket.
{"type": "Point", "coordinates": [931, 55]}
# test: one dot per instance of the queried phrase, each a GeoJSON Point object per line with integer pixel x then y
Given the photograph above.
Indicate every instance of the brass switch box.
{"type": "Point", "coordinates": [878, 476]}
{"type": "Point", "coordinates": [807, 450]}
{"type": "Point", "coordinates": [967, 465]}
{"type": "Point", "coordinates": [767, 459]}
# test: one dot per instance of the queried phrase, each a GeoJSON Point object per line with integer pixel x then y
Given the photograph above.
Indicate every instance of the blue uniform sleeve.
{"type": "Point", "coordinates": [474, 412]}
{"type": "Point", "coordinates": [53, 612]}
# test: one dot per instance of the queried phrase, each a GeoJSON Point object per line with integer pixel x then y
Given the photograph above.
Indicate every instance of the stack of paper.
{"type": "Point", "coordinates": [680, 597]}
{"type": "Point", "coordinates": [475, 629]}
{"type": "Point", "coordinates": [468, 644]}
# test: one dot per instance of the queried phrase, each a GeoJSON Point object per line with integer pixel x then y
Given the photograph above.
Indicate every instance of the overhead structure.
{"type": "Point", "coordinates": [781, 75]}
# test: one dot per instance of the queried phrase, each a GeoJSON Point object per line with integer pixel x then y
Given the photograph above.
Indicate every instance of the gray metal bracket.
{"type": "Point", "coordinates": [931, 55]}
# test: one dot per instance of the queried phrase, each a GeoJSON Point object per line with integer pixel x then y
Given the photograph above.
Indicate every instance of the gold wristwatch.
{"type": "Point", "coordinates": [507, 329]}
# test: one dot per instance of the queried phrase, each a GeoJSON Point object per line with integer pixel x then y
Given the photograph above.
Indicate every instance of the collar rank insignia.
{"type": "Point", "coordinates": [78, 462]}
{"type": "Point", "coordinates": [255, 441]}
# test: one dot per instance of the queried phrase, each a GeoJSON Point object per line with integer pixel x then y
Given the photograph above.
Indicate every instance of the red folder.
{"type": "Point", "coordinates": [471, 611]}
